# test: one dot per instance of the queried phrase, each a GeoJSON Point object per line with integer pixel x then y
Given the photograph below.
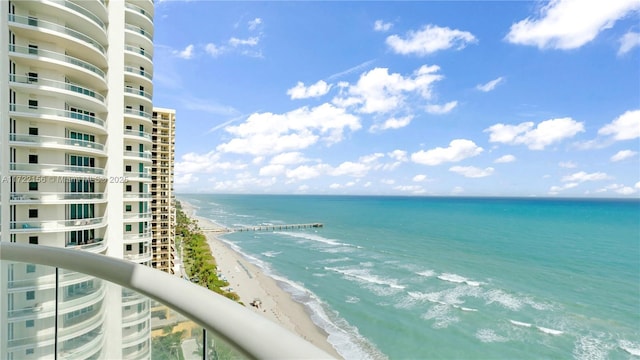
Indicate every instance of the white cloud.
{"type": "Point", "coordinates": [556, 189]}
{"type": "Point", "coordinates": [399, 155]}
{"type": "Point", "coordinates": [213, 49]}
{"type": "Point", "coordinates": [253, 24]}
{"type": "Point", "coordinates": [582, 176]}
{"type": "Point", "coordinates": [490, 85]}
{"type": "Point", "coordinates": [429, 40]}
{"type": "Point", "coordinates": [619, 188]}
{"type": "Point", "coordinates": [623, 154]}
{"type": "Point", "coordinates": [569, 24]}
{"type": "Point", "coordinates": [377, 91]}
{"type": "Point", "coordinates": [252, 41]}
{"type": "Point", "coordinates": [211, 162]}
{"type": "Point", "coordinates": [414, 189]}
{"type": "Point", "coordinates": [351, 169]}
{"type": "Point", "coordinates": [505, 159]}
{"type": "Point", "coordinates": [268, 133]}
{"type": "Point", "coordinates": [457, 190]}
{"type": "Point", "coordinates": [382, 26]}
{"type": "Point", "coordinates": [625, 127]}
{"type": "Point", "coordinates": [272, 170]}
{"type": "Point", "coordinates": [637, 185]}
{"type": "Point", "coordinates": [628, 41]}
{"type": "Point", "coordinates": [185, 179]}
{"type": "Point", "coordinates": [302, 92]}
{"type": "Point", "coordinates": [420, 178]}
{"type": "Point", "coordinates": [458, 150]}
{"type": "Point", "coordinates": [567, 164]}
{"type": "Point", "coordinates": [187, 53]}
{"type": "Point", "coordinates": [388, 181]}
{"type": "Point", "coordinates": [441, 109]}
{"type": "Point", "coordinates": [545, 133]}
{"type": "Point", "coordinates": [305, 172]}
{"type": "Point", "coordinates": [472, 171]}
{"type": "Point", "coordinates": [288, 158]}
{"type": "Point", "coordinates": [392, 123]}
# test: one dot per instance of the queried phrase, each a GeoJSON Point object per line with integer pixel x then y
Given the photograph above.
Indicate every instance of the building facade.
{"type": "Point", "coordinates": [163, 201]}
{"type": "Point", "coordinates": [75, 154]}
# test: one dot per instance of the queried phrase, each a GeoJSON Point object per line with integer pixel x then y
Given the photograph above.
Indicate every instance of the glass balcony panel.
{"type": "Point", "coordinates": [129, 90]}
{"type": "Point", "coordinates": [54, 140]}
{"type": "Point", "coordinates": [138, 133]}
{"type": "Point", "coordinates": [137, 71]}
{"type": "Point", "coordinates": [139, 10]}
{"type": "Point", "coordinates": [81, 10]}
{"type": "Point", "coordinates": [31, 21]}
{"type": "Point", "coordinates": [56, 56]}
{"type": "Point", "coordinates": [56, 112]}
{"type": "Point", "coordinates": [56, 84]}
{"type": "Point", "coordinates": [55, 196]}
{"type": "Point", "coordinates": [144, 154]}
{"type": "Point", "coordinates": [139, 51]}
{"type": "Point", "coordinates": [55, 168]}
{"type": "Point", "coordinates": [139, 30]}
{"type": "Point", "coordinates": [54, 224]}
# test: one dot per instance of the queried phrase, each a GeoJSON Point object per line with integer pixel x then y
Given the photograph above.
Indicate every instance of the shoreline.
{"type": "Point", "coordinates": [251, 283]}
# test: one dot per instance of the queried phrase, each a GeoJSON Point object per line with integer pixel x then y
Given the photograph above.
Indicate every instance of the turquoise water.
{"type": "Point", "coordinates": [452, 278]}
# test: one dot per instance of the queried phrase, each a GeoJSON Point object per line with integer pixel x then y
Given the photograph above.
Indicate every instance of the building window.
{"type": "Point", "coordinates": [33, 213]}
{"type": "Point", "coordinates": [127, 168]}
{"type": "Point", "coordinates": [33, 186]}
{"type": "Point", "coordinates": [33, 131]}
{"type": "Point", "coordinates": [32, 77]}
{"type": "Point", "coordinates": [127, 208]}
{"type": "Point", "coordinates": [33, 159]}
{"type": "Point", "coordinates": [33, 104]}
{"type": "Point", "coordinates": [127, 227]}
{"type": "Point", "coordinates": [33, 49]}
{"type": "Point", "coordinates": [29, 351]}
{"type": "Point", "coordinates": [128, 247]}
{"type": "Point", "coordinates": [33, 240]}
{"type": "Point", "coordinates": [29, 323]}
{"type": "Point", "coordinates": [31, 268]}
{"type": "Point", "coordinates": [128, 148]}
{"type": "Point", "coordinates": [128, 188]}
{"type": "Point", "coordinates": [31, 295]}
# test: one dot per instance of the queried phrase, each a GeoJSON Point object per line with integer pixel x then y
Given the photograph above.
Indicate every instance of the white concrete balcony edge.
{"type": "Point", "coordinates": [268, 340]}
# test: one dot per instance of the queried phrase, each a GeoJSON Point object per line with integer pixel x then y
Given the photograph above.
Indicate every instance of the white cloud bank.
{"type": "Point", "coordinates": [582, 176]}
{"type": "Point", "coordinates": [536, 138]}
{"type": "Point", "coordinates": [569, 24]}
{"type": "Point", "coordinates": [377, 91]}
{"type": "Point", "coordinates": [629, 41]}
{"type": "Point", "coordinates": [458, 150]}
{"type": "Point", "coordinates": [268, 133]}
{"type": "Point", "coordinates": [430, 39]}
{"type": "Point", "coordinates": [505, 159]}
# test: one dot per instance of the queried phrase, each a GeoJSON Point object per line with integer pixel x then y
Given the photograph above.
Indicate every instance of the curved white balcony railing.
{"type": "Point", "coordinates": [139, 10]}
{"type": "Point", "coordinates": [43, 197]}
{"type": "Point", "coordinates": [76, 89]}
{"type": "Point", "coordinates": [96, 245]}
{"type": "Point", "coordinates": [55, 141]}
{"type": "Point", "coordinates": [138, 154]}
{"type": "Point", "coordinates": [139, 51]}
{"type": "Point", "coordinates": [68, 115]}
{"type": "Point", "coordinates": [56, 225]}
{"type": "Point", "coordinates": [139, 258]}
{"type": "Point", "coordinates": [138, 30]}
{"type": "Point", "coordinates": [61, 57]}
{"type": "Point", "coordinates": [55, 169]}
{"type": "Point", "coordinates": [138, 114]}
{"type": "Point", "coordinates": [249, 333]}
{"type": "Point", "coordinates": [42, 24]}
{"type": "Point", "coordinates": [136, 217]}
{"type": "Point", "coordinates": [144, 94]}
{"type": "Point", "coordinates": [136, 238]}
{"type": "Point", "coordinates": [139, 135]}
{"type": "Point", "coordinates": [83, 346]}
{"type": "Point", "coordinates": [80, 10]}
{"type": "Point", "coordinates": [135, 74]}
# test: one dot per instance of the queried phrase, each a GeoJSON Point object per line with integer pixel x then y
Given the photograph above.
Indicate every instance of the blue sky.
{"type": "Point", "coordinates": [403, 98]}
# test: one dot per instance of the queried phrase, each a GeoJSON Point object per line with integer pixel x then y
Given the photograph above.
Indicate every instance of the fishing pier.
{"type": "Point", "coordinates": [270, 227]}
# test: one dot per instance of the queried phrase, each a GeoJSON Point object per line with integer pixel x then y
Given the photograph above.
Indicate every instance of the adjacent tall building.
{"type": "Point", "coordinates": [75, 152]}
{"type": "Point", "coordinates": [163, 202]}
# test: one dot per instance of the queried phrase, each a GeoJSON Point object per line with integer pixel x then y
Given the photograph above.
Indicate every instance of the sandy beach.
{"type": "Point", "coordinates": [250, 283]}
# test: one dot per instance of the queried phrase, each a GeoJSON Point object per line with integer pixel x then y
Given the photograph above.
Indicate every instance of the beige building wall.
{"type": "Point", "coordinates": [163, 202]}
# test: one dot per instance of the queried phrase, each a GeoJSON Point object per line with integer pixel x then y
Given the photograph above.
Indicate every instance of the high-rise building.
{"type": "Point", "coordinates": [163, 202]}
{"type": "Point", "coordinates": [75, 153]}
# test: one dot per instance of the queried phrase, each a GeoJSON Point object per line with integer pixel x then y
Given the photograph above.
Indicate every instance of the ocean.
{"type": "Point", "coordinates": [451, 278]}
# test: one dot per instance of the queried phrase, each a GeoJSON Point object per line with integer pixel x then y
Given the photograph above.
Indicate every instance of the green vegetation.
{"type": "Point", "coordinates": [167, 346]}
{"type": "Point", "coordinates": [198, 262]}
